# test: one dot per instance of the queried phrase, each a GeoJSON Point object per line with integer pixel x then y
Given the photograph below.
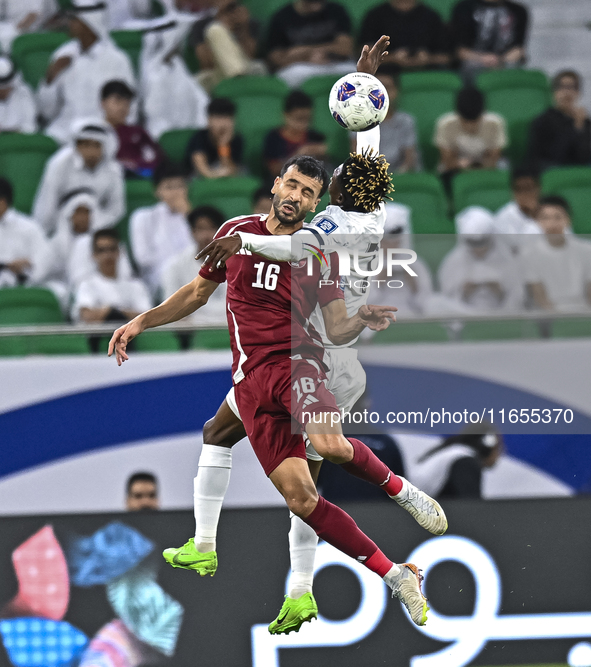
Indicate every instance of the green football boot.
{"type": "Point", "coordinates": [189, 558]}
{"type": "Point", "coordinates": [293, 614]}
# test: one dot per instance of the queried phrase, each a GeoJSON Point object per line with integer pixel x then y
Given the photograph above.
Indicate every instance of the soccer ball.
{"type": "Point", "coordinates": [358, 102]}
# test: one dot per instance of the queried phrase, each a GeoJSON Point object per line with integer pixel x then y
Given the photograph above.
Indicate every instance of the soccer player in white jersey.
{"type": "Point", "coordinates": [355, 218]}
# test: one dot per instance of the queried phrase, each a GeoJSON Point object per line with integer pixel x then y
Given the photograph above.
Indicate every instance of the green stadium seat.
{"type": "Point", "coordinates": [22, 161]}
{"type": "Point", "coordinates": [260, 108]}
{"type": "Point", "coordinates": [138, 193]}
{"type": "Point", "coordinates": [573, 328]}
{"type": "Point", "coordinates": [158, 341]}
{"type": "Point", "coordinates": [412, 332]}
{"type": "Point", "coordinates": [574, 184]}
{"type": "Point", "coordinates": [31, 53]}
{"type": "Point", "coordinates": [55, 344]}
{"type": "Point", "coordinates": [519, 96]}
{"type": "Point", "coordinates": [427, 96]}
{"type": "Point", "coordinates": [318, 88]}
{"type": "Point", "coordinates": [500, 330]}
{"type": "Point", "coordinates": [233, 196]}
{"type": "Point", "coordinates": [29, 305]}
{"type": "Point", "coordinates": [129, 41]}
{"type": "Point", "coordinates": [424, 195]}
{"type": "Point", "coordinates": [211, 339]}
{"type": "Point", "coordinates": [481, 187]}
{"type": "Point", "coordinates": [174, 143]}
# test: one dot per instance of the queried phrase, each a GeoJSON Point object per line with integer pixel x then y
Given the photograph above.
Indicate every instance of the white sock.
{"type": "Point", "coordinates": [209, 489]}
{"type": "Point", "coordinates": [391, 574]}
{"type": "Point", "coordinates": [302, 550]}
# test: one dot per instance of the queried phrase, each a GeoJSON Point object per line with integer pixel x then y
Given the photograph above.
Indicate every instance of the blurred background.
{"type": "Point", "coordinates": [130, 130]}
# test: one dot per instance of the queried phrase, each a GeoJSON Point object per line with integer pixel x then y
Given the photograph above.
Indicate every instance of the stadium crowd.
{"type": "Point", "coordinates": [127, 143]}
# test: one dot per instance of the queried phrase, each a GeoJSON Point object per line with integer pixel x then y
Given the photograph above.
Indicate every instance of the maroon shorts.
{"type": "Point", "coordinates": [276, 400]}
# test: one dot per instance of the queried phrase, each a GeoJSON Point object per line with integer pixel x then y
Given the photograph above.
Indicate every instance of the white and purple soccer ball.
{"type": "Point", "coordinates": [358, 102]}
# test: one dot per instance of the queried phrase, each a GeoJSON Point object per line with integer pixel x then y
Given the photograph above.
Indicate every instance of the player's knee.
{"type": "Point", "coordinates": [333, 448]}
{"type": "Point", "coordinates": [213, 435]}
{"type": "Point", "coordinates": [302, 503]}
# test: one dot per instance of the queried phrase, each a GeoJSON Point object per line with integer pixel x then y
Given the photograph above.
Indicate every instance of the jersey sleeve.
{"type": "Point", "coordinates": [369, 140]}
{"type": "Point", "coordinates": [288, 248]}
{"type": "Point", "coordinates": [329, 283]}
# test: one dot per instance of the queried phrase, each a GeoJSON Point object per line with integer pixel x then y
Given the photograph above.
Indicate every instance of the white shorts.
{"type": "Point", "coordinates": [346, 382]}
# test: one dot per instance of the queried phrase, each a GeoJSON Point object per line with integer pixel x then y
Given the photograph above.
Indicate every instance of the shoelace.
{"type": "Point", "coordinates": [416, 498]}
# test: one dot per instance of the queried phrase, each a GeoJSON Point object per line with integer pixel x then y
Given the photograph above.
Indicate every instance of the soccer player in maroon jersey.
{"type": "Point", "coordinates": [277, 369]}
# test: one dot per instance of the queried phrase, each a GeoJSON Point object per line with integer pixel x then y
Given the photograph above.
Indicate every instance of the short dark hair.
{"type": "Point", "coordinates": [259, 193]}
{"type": "Point", "coordinates": [309, 166]}
{"type": "Point", "coordinates": [297, 99]}
{"type": "Point", "coordinates": [112, 234]}
{"type": "Point", "coordinates": [556, 200]}
{"type": "Point", "coordinates": [470, 103]}
{"type": "Point", "coordinates": [117, 87]}
{"type": "Point", "coordinates": [525, 172]}
{"type": "Point", "coordinates": [6, 191]}
{"type": "Point", "coordinates": [571, 73]}
{"type": "Point", "coordinates": [167, 169]}
{"type": "Point", "coordinates": [221, 106]}
{"type": "Point", "coordinates": [140, 477]}
{"type": "Point", "coordinates": [214, 214]}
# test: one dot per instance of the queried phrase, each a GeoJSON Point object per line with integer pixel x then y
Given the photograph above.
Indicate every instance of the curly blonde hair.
{"type": "Point", "coordinates": [366, 180]}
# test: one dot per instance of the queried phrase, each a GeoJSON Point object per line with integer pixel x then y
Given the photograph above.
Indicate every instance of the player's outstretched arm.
{"type": "Point", "coordinates": [183, 302]}
{"type": "Point", "coordinates": [368, 62]}
{"type": "Point", "coordinates": [283, 248]}
{"type": "Point", "coordinates": [371, 58]}
{"type": "Point", "coordinates": [342, 329]}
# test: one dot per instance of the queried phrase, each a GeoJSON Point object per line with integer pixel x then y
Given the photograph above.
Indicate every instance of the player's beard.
{"type": "Point", "coordinates": [291, 220]}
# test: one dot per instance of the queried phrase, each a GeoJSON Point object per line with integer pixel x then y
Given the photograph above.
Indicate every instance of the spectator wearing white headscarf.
{"type": "Point", "coordinates": [68, 258]}
{"type": "Point", "coordinates": [21, 16]}
{"type": "Point", "coordinates": [80, 68]}
{"type": "Point", "coordinates": [88, 162]}
{"type": "Point", "coordinates": [17, 103]}
{"type": "Point", "coordinates": [410, 294]}
{"type": "Point", "coordinates": [481, 271]}
{"type": "Point", "coordinates": [172, 98]}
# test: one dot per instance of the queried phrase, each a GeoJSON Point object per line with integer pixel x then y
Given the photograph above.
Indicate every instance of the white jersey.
{"type": "Point", "coordinates": [356, 232]}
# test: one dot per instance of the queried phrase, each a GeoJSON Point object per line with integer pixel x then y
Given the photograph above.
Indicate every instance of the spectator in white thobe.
{"type": "Point", "coordinates": [204, 221]}
{"type": "Point", "coordinates": [106, 296]}
{"type": "Point", "coordinates": [518, 218]}
{"type": "Point", "coordinates": [87, 162]}
{"type": "Point", "coordinates": [18, 112]}
{"type": "Point", "coordinates": [557, 264]}
{"type": "Point", "coordinates": [68, 259]}
{"type": "Point", "coordinates": [410, 294]}
{"type": "Point", "coordinates": [481, 271]}
{"type": "Point", "coordinates": [172, 98]}
{"type": "Point", "coordinates": [79, 69]}
{"type": "Point", "coordinates": [21, 16]}
{"type": "Point", "coordinates": [158, 233]}
{"type": "Point", "coordinates": [22, 243]}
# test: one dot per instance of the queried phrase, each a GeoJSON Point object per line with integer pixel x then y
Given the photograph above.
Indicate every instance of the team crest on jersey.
{"type": "Point", "coordinates": [326, 225]}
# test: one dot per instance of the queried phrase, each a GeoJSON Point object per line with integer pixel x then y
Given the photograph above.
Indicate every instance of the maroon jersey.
{"type": "Point", "coordinates": [269, 303]}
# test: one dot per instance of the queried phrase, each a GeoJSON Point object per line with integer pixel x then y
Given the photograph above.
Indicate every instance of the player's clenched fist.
{"type": "Point", "coordinates": [377, 318]}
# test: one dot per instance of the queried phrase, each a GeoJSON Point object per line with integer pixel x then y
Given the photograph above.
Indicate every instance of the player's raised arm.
{"type": "Point", "coordinates": [183, 302]}
{"type": "Point", "coordinates": [342, 329]}
{"type": "Point", "coordinates": [368, 62]}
